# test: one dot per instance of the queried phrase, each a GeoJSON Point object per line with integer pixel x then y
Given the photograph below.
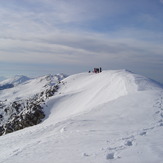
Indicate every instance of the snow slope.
{"type": "Point", "coordinates": [24, 94]}
{"type": "Point", "coordinates": [113, 116]}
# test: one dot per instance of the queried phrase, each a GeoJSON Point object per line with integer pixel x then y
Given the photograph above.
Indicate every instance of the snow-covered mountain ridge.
{"type": "Point", "coordinates": [97, 89]}
{"type": "Point", "coordinates": [113, 116]}
{"type": "Point", "coordinates": [21, 104]}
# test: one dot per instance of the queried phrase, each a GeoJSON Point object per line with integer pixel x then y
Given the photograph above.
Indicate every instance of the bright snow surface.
{"type": "Point", "coordinates": [113, 116]}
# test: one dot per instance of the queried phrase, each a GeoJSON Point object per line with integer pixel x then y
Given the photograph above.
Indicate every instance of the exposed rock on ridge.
{"type": "Point", "coordinates": [18, 114]}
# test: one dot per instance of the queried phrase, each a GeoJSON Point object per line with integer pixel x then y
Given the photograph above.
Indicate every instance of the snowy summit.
{"type": "Point", "coordinates": [114, 116]}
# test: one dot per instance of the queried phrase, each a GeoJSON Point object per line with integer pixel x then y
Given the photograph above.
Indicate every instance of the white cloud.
{"type": "Point", "coordinates": [78, 49]}
{"type": "Point", "coordinates": [43, 31]}
{"type": "Point", "coordinates": [32, 37]}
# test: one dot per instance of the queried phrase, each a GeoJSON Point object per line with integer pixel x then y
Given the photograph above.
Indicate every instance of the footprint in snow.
{"type": "Point", "coordinates": [143, 133]}
{"type": "Point", "coordinates": [128, 143]}
{"type": "Point", "coordinates": [161, 124]}
{"type": "Point", "coordinates": [85, 155]}
{"type": "Point", "coordinates": [161, 115]}
{"type": "Point", "coordinates": [110, 156]}
{"type": "Point", "coordinates": [157, 112]}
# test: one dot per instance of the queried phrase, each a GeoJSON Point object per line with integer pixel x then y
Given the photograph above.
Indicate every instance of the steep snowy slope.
{"type": "Point", "coordinates": [20, 105]}
{"type": "Point", "coordinates": [113, 116]}
{"type": "Point", "coordinates": [84, 92]}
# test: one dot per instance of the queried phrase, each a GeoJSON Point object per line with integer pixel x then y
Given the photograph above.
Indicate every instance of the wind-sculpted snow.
{"type": "Point", "coordinates": [143, 83]}
{"type": "Point", "coordinates": [113, 116]}
{"type": "Point", "coordinates": [92, 90]}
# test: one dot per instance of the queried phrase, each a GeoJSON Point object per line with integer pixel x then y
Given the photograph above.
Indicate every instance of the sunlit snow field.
{"type": "Point", "coordinates": [113, 116]}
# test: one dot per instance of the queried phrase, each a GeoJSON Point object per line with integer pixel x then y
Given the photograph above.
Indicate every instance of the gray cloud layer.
{"type": "Point", "coordinates": [88, 33]}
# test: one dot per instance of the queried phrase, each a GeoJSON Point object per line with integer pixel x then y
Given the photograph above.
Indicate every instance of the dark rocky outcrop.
{"type": "Point", "coordinates": [25, 113]}
{"type": "Point", "coordinates": [6, 86]}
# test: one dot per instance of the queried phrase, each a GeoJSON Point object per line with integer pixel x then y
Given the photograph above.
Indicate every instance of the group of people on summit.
{"type": "Point", "coordinates": [97, 70]}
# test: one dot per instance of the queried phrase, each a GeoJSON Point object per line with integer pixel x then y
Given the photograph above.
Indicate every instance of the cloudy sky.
{"type": "Point", "coordinates": [39, 37]}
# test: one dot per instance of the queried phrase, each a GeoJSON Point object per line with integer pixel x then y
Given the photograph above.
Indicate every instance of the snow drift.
{"type": "Point", "coordinates": [113, 116]}
{"type": "Point", "coordinates": [83, 92]}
